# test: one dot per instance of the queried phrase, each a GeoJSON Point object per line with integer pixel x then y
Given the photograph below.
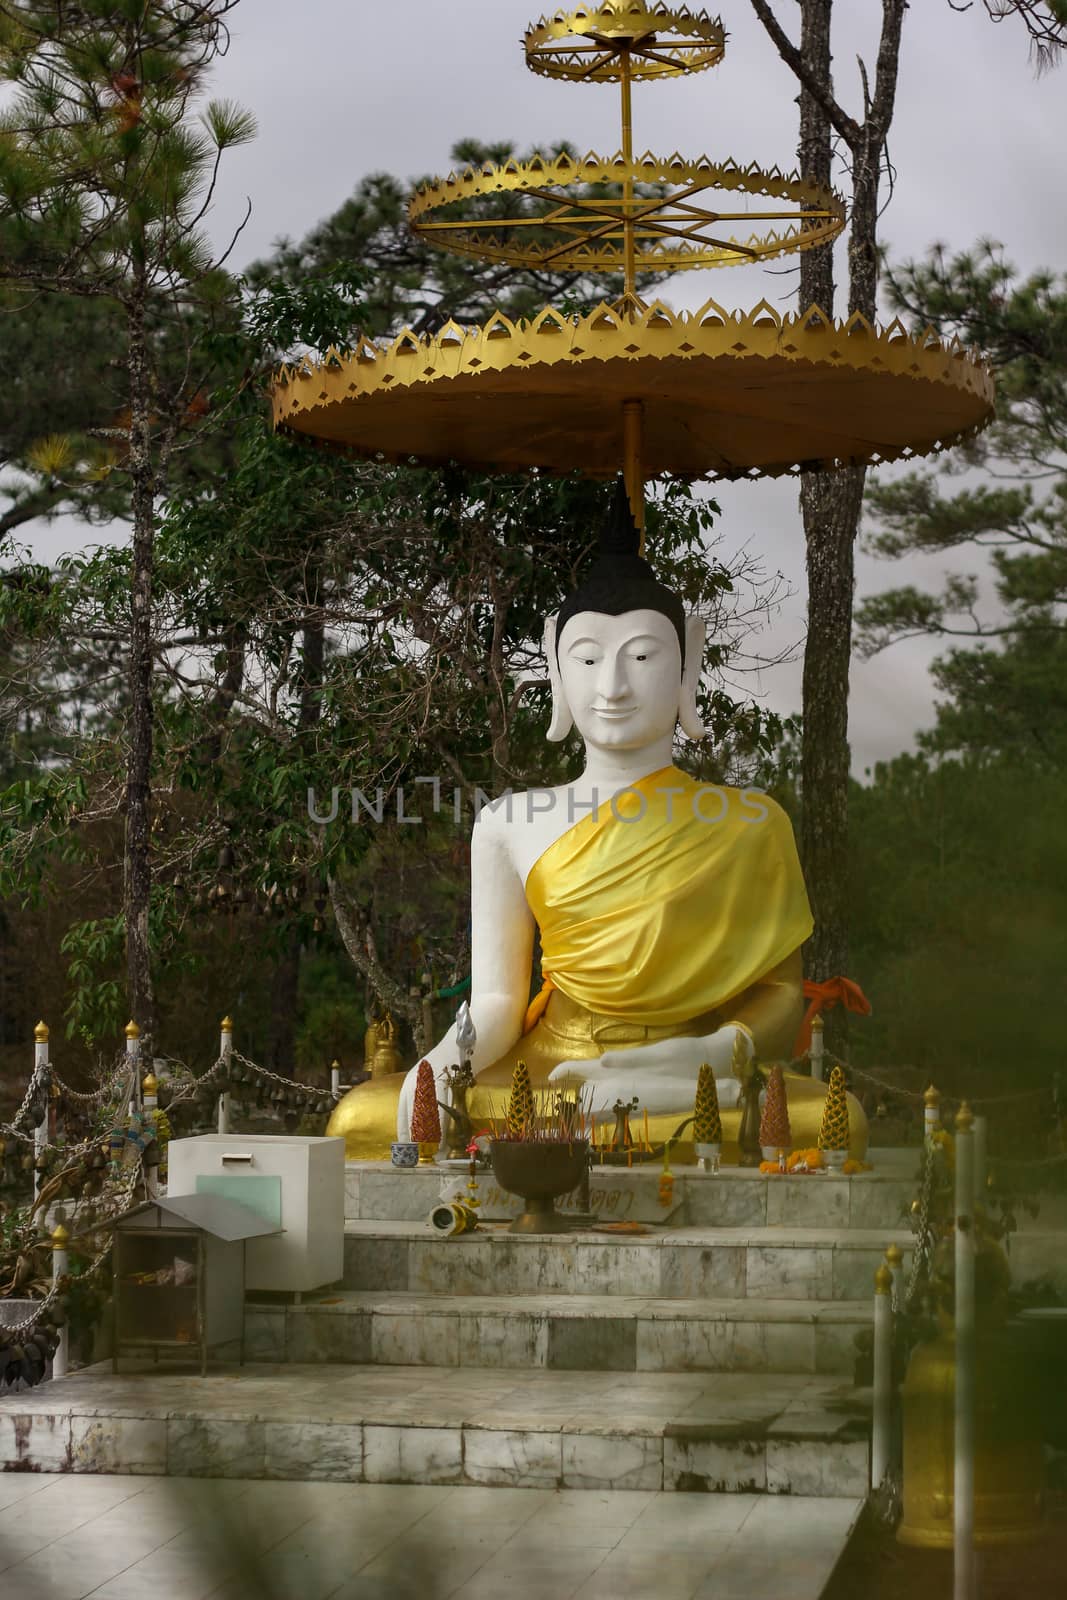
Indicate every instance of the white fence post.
{"type": "Point", "coordinates": [60, 1267]}
{"type": "Point", "coordinates": [980, 1168]}
{"type": "Point", "coordinates": [931, 1112]}
{"type": "Point", "coordinates": [133, 1061]}
{"type": "Point", "coordinates": [150, 1102]}
{"type": "Point", "coordinates": [818, 1046]}
{"type": "Point", "coordinates": [894, 1260]}
{"type": "Point", "coordinates": [40, 1071]}
{"type": "Point", "coordinates": [963, 1484]}
{"type": "Point", "coordinates": [335, 1079]}
{"type": "Point", "coordinates": [226, 1052]}
{"type": "Point", "coordinates": [883, 1375]}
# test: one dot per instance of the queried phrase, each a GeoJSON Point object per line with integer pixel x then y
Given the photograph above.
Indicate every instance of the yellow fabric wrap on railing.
{"type": "Point", "coordinates": [669, 901]}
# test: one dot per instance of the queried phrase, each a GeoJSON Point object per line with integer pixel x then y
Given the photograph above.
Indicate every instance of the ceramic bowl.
{"type": "Point", "coordinates": [404, 1154]}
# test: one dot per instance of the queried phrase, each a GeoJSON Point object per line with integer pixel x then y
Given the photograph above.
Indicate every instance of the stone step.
{"type": "Point", "coordinates": [617, 1333]}
{"type": "Point", "coordinates": [770, 1263]}
{"type": "Point", "coordinates": [733, 1197]}
{"type": "Point", "coordinates": [579, 1430]}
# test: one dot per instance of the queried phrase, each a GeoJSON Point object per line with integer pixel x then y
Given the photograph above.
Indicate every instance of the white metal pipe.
{"type": "Point", "coordinates": [883, 1375]}
{"type": "Point", "coordinates": [335, 1080]}
{"type": "Point", "coordinates": [963, 1486]}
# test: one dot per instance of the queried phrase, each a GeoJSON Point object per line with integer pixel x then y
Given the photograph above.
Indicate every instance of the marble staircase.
{"type": "Point", "coordinates": [747, 1274]}
{"type": "Point", "coordinates": [709, 1348]}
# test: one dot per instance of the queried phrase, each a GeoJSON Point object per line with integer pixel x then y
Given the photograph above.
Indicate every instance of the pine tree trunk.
{"type": "Point", "coordinates": [831, 505]}
{"type": "Point", "coordinates": [829, 531]}
{"type": "Point", "coordinates": [137, 851]}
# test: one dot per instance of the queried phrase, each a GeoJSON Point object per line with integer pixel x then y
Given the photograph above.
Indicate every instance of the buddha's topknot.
{"type": "Point", "coordinates": [619, 579]}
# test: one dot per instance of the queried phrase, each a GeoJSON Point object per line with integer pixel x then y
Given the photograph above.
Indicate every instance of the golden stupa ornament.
{"type": "Point", "coordinates": [710, 393]}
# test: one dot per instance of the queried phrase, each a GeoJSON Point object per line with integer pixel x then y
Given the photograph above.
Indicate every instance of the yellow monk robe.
{"type": "Point", "coordinates": [667, 904]}
{"type": "Point", "coordinates": [649, 930]}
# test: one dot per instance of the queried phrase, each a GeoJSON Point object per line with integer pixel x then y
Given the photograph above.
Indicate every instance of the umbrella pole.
{"type": "Point", "coordinates": [633, 419]}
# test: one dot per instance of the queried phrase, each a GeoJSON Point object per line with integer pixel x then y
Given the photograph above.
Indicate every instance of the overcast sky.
{"type": "Point", "coordinates": [342, 88]}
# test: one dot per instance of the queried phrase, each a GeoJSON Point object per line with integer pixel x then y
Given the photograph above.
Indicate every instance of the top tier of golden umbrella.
{"type": "Point", "coordinates": [709, 393]}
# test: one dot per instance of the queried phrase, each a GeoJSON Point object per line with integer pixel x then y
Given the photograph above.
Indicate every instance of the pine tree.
{"type": "Point", "coordinates": [774, 1129]}
{"type": "Point", "coordinates": [104, 183]}
{"type": "Point", "coordinates": [520, 1102]}
{"type": "Point", "coordinates": [425, 1116]}
{"type": "Point", "coordinates": [706, 1119]}
{"type": "Point", "coordinates": [833, 1134]}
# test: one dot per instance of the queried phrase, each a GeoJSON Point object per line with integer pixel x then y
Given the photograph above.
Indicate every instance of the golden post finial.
{"type": "Point", "coordinates": [40, 1033]}
{"type": "Point", "coordinates": [226, 1025]}
{"type": "Point", "coordinates": [964, 1118]}
{"type": "Point", "coordinates": [335, 1063]}
{"type": "Point", "coordinates": [883, 1280]}
{"type": "Point", "coordinates": [150, 1083]}
{"type": "Point", "coordinates": [60, 1237]}
{"type": "Point", "coordinates": [932, 1097]}
{"type": "Point", "coordinates": [132, 1031]}
{"type": "Point", "coordinates": [894, 1255]}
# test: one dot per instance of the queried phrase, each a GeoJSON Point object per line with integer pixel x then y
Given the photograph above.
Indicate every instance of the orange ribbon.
{"type": "Point", "coordinates": [536, 1009]}
{"type": "Point", "coordinates": [823, 997]}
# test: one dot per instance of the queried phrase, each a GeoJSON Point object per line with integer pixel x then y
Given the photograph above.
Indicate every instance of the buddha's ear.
{"type": "Point", "coordinates": [688, 716]}
{"type": "Point", "coordinates": [562, 722]}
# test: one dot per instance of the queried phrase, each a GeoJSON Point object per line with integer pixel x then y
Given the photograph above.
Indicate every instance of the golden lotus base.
{"type": "Point", "coordinates": [366, 1119]}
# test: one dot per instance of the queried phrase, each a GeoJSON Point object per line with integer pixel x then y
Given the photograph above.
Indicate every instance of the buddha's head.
{"type": "Point", "coordinates": [623, 657]}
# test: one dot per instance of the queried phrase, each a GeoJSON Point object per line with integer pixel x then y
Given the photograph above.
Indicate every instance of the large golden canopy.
{"type": "Point", "coordinates": [722, 395]}
{"type": "Point", "coordinates": [710, 393]}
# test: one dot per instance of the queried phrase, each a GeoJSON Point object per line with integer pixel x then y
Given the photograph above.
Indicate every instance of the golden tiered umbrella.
{"type": "Point", "coordinates": [709, 393]}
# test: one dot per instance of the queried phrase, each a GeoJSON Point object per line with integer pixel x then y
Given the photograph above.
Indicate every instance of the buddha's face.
{"type": "Point", "coordinates": [621, 677]}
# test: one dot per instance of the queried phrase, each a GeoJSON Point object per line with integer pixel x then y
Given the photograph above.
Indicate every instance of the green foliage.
{"type": "Point", "coordinates": [959, 902]}
{"type": "Point", "coordinates": [1004, 694]}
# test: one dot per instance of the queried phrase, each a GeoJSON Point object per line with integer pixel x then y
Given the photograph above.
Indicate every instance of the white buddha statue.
{"type": "Point", "coordinates": [671, 912]}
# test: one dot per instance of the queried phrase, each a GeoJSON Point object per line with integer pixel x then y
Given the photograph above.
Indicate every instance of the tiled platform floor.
{"type": "Point", "coordinates": [423, 1425]}
{"type": "Point", "coordinates": [123, 1538]}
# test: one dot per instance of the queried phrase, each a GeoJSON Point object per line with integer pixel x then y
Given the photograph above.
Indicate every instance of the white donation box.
{"type": "Point", "coordinates": [296, 1184]}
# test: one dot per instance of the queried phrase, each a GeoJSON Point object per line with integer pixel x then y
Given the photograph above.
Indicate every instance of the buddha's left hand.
{"type": "Point", "coordinates": [663, 1075]}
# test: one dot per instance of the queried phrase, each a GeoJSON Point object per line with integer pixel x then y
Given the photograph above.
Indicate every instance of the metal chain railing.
{"type": "Point", "coordinates": [919, 1094]}
{"type": "Point", "coordinates": [94, 1097]}
{"type": "Point", "coordinates": [920, 1256]}
{"type": "Point", "coordinates": [35, 1089]}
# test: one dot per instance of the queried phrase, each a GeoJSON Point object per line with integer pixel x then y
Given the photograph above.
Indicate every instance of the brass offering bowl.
{"type": "Point", "coordinates": [539, 1171]}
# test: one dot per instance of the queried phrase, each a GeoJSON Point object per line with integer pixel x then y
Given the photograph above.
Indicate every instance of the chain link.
{"type": "Point", "coordinates": [38, 1083]}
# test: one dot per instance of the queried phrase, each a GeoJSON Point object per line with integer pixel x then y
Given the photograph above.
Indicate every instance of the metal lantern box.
{"type": "Point", "coordinates": [178, 1269]}
{"type": "Point", "coordinates": [296, 1183]}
